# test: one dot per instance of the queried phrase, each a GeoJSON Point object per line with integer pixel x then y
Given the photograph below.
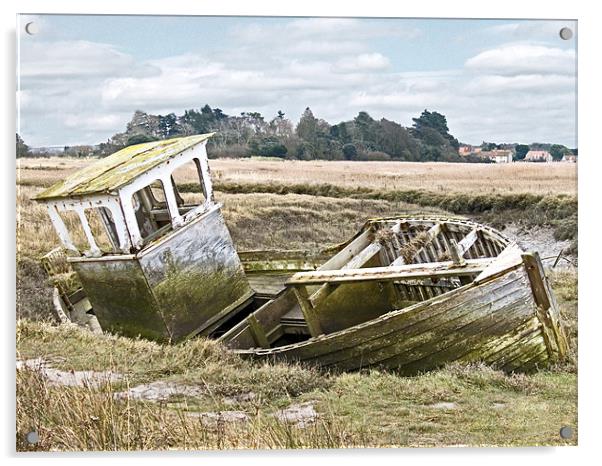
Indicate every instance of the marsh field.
{"type": "Point", "coordinates": [221, 401]}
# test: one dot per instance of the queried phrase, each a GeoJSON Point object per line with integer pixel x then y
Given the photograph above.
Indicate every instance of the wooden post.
{"type": "Point", "coordinates": [172, 204]}
{"type": "Point", "coordinates": [534, 271]}
{"type": "Point", "coordinates": [309, 312]}
{"type": "Point", "coordinates": [455, 253]}
{"type": "Point", "coordinates": [258, 332]}
{"type": "Point", "coordinates": [60, 228]}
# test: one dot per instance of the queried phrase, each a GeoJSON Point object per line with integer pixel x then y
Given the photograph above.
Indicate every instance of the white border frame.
{"type": "Point", "coordinates": [590, 191]}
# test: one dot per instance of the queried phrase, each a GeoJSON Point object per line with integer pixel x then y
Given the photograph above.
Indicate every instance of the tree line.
{"type": "Point", "coordinates": [251, 134]}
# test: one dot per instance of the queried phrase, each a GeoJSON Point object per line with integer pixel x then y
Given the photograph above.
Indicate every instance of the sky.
{"type": "Point", "coordinates": [80, 78]}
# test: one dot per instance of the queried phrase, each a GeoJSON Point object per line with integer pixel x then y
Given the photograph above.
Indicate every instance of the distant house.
{"type": "Point", "coordinates": [496, 155]}
{"type": "Point", "coordinates": [501, 156]}
{"type": "Point", "coordinates": [465, 150]}
{"type": "Point", "coordinates": [572, 158]}
{"type": "Point", "coordinates": [538, 156]}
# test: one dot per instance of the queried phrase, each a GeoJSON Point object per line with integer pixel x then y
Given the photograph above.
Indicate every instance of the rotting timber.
{"type": "Point", "coordinates": [406, 293]}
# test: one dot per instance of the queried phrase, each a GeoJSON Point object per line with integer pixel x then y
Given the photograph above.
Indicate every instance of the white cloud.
{"type": "Point", "coordinates": [514, 59]}
{"type": "Point", "coordinates": [364, 62]}
{"type": "Point", "coordinates": [532, 83]}
{"type": "Point", "coordinates": [76, 59]}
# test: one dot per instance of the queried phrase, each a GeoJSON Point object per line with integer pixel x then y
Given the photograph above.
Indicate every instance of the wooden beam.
{"type": "Point", "coordinates": [510, 257]}
{"type": "Point", "coordinates": [363, 257]}
{"type": "Point", "coordinates": [258, 332]}
{"type": "Point", "coordinates": [401, 272]}
{"type": "Point", "coordinates": [310, 314]}
{"type": "Point", "coordinates": [535, 273]}
{"type": "Point", "coordinates": [454, 252]}
{"type": "Point", "coordinates": [466, 243]}
{"type": "Point", "coordinates": [348, 252]}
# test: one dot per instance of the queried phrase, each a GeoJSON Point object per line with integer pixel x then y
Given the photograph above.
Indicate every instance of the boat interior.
{"type": "Point", "coordinates": [391, 264]}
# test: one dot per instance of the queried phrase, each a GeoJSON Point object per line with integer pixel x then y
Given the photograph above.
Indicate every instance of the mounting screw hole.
{"type": "Point", "coordinates": [566, 33]}
{"type": "Point", "coordinates": [566, 432]}
{"type": "Point", "coordinates": [32, 437]}
{"type": "Point", "coordinates": [31, 28]}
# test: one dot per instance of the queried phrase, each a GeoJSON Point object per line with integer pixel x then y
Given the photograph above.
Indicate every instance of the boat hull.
{"type": "Point", "coordinates": [502, 321]}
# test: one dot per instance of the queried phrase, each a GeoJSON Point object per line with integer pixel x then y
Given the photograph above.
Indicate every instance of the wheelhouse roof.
{"type": "Point", "coordinates": [110, 173]}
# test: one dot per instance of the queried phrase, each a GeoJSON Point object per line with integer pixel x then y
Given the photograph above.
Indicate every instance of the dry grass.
{"type": "Point", "coordinates": [360, 409]}
{"type": "Point", "coordinates": [439, 177]}
{"type": "Point", "coordinates": [534, 178]}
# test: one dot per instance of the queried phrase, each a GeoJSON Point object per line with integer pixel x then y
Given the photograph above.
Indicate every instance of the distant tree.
{"type": "Point", "coordinates": [168, 126]}
{"type": "Point", "coordinates": [218, 114]}
{"type": "Point", "coordinates": [558, 151]}
{"type": "Point", "coordinates": [139, 139]}
{"type": "Point", "coordinates": [489, 146]}
{"type": "Point", "coordinates": [340, 133]}
{"type": "Point", "coordinates": [307, 126]}
{"type": "Point", "coordinates": [349, 151]}
{"type": "Point", "coordinates": [364, 126]}
{"type": "Point", "coordinates": [269, 147]}
{"type": "Point", "coordinates": [395, 140]}
{"type": "Point", "coordinates": [433, 121]}
{"type": "Point", "coordinates": [22, 148]}
{"type": "Point", "coordinates": [521, 151]}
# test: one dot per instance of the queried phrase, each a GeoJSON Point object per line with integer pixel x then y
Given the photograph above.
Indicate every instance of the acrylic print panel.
{"type": "Point", "coordinates": [273, 232]}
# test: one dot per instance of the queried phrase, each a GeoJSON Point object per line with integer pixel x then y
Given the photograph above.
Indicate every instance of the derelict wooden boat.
{"type": "Point", "coordinates": [412, 294]}
{"type": "Point", "coordinates": [409, 293]}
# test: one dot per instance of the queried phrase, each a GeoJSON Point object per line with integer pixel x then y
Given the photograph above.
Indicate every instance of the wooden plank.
{"type": "Point", "coordinates": [456, 255]}
{"type": "Point", "coordinates": [348, 252]}
{"type": "Point", "coordinates": [537, 362]}
{"type": "Point", "coordinates": [486, 245]}
{"type": "Point", "coordinates": [451, 342]}
{"type": "Point", "coordinates": [384, 336]}
{"type": "Point", "coordinates": [408, 271]}
{"type": "Point", "coordinates": [510, 257]}
{"type": "Point", "coordinates": [311, 317]}
{"type": "Point", "coordinates": [466, 243]}
{"type": "Point", "coordinates": [535, 272]}
{"type": "Point", "coordinates": [258, 332]}
{"type": "Point", "coordinates": [451, 337]}
{"type": "Point", "coordinates": [488, 351]}
{"type": "Point", "coordinates": [525, 351]}
{"type": "Point", "coordinates": [508, 353]}
{"type": "Point", "coordinates": [363, 257]}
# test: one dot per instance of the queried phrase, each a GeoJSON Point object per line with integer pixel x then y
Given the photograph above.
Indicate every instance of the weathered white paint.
{"type": "Point", "coordinates": [60, 228]}
{"type": "Point", "coordinates": [163, 173]}
{"type": "Point", "coordinates": [121, 207]}
{"type": "Point", "coordinates": [92, 202]}
{"type": "Point", "coordinates": [94, 249]}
